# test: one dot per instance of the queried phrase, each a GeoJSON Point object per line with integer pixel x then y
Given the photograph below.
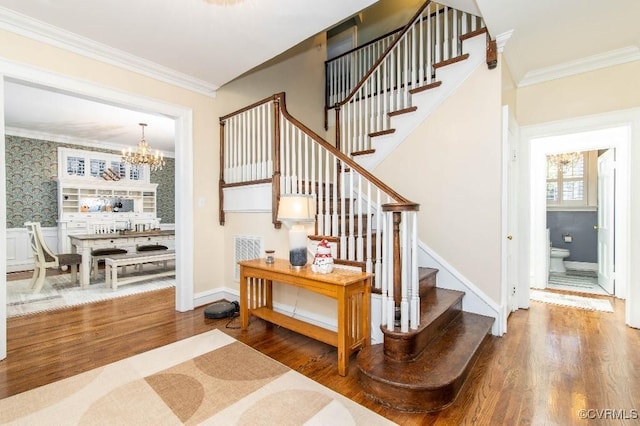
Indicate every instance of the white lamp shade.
{"type": "Point", "coordinates": [296, 207]}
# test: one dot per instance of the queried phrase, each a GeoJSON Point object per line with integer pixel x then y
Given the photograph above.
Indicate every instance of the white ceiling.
{"type": "Point", "coordinates": [203, 44]}
{"type": "Point", "coordinates": [555, 37]}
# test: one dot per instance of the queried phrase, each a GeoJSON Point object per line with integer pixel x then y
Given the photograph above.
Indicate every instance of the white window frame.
{"type": "Point", "coordinates": [589, 202]}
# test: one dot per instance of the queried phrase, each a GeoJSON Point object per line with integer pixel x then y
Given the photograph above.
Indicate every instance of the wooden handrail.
{"type": "Point", "coordinates": [383, 56]}
{"type": "Point", "coordinates": [375, 40]}
{"type": "Point", "coordinates": [247, 108]}
{"type": "Point", "coordinates": [401, 207]}
{"type": "Point", "coordinates": [369, 43]}
{"type": "Point", "coordinates": [341, 156]}
{"type": "Point", "coordinates": [246, 183]}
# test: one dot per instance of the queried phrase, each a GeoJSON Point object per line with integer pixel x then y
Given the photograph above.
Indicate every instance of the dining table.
{"type": "Point", "coordinates": [84, 244]}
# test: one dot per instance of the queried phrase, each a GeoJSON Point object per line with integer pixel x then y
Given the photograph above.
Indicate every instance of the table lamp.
{"type": "Point", "coordinates": [294, 210]}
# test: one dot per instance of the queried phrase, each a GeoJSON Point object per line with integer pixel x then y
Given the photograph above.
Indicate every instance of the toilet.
{"type": "Point", "coordinates": [557, 257]}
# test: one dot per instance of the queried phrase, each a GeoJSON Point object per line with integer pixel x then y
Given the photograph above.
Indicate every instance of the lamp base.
{"type": "Point", "coordinates": [298, 257]}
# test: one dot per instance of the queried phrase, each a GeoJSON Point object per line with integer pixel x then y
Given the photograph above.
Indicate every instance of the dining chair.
{"type": "Point", "coordinates": [99, 254]}
{"type": "Point", "coordinates": [45, 258]}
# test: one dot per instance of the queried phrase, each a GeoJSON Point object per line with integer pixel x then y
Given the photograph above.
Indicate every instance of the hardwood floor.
{"type": "Point", "coordinates": [553, 361]}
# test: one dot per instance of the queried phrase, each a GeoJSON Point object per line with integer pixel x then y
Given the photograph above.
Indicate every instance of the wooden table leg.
{"type": "Point", "coordinates": [244, 309]}
{"type": "Point", "coordinates": [85, 268]}
{"type": "Point", "coordinates": [366, 314]}
{"type": "Point", "coordinates": [343, 352]}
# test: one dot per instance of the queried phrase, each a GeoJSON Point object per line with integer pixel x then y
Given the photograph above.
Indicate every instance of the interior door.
{"type": "Point", "coordinates": [606, 203]}
{"type": "Point", "coordinates": [512, 261]}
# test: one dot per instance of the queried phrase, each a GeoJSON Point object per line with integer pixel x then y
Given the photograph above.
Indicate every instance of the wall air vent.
{"type": "Point", "coordinates": [246, 248]}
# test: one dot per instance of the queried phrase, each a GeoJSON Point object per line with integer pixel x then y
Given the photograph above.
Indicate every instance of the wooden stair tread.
{"type": "Point", "coordinates": [382, 133]}
{"type": "Point", "coordinates": [363, 152]}
{"type": "Point", "coordinates": [402, 111]}
{"type": "Point", "coordinates": [454, 60]}
{"type": "Point", "coordinates": [432, 381]}
{"type": "Point", "coordinates": [426, 278]}
{"type": "Point", "coordinates": [433, 304]}
{"type": "Point", "coordinates": [426, 87]}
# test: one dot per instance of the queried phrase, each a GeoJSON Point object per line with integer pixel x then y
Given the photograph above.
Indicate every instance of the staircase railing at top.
{"type": "Point", "coordinates": [373, 224]}
{"type": "Point", "coordinates": [343, 72]}
{"type": "Point", "coordinates": [432, 37]}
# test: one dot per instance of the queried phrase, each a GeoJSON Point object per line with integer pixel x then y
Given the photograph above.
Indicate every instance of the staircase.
{"type": "Point", "coordinates": [424, 370]}
{"type": "Point", "coordinates": [429, 343]}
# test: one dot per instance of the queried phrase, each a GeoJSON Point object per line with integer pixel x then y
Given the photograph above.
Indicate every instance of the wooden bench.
{"type": "Point", "coordinates": [112, 263]}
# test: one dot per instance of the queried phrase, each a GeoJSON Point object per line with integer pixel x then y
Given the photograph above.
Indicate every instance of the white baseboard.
{"type": "Point", "coordinates": [226, 293]}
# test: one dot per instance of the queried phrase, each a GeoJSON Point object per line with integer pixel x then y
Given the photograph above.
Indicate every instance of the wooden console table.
{"type": "Point", "coordinates": [351, 289]}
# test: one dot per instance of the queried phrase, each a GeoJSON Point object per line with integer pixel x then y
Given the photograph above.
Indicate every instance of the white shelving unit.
{"type": "Point", "coordinates": [85, 197]}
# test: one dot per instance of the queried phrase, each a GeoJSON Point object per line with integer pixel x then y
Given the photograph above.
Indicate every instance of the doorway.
{"type": "Point", "coordinates": [614, 137]}
{"type": "Point", "coordinates": [574, 194]}
{"type": "Point", "coordinates": [183, 162]}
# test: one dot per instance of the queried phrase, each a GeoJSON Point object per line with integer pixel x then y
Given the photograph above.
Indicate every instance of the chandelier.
{"type": "Point", "coordinates": [143, 155]}
{"type": "Point", "coordinates": [566, 158]}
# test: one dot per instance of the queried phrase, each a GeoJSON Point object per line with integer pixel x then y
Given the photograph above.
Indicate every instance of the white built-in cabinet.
{"type": "Point", "coordinates": [96, 188]}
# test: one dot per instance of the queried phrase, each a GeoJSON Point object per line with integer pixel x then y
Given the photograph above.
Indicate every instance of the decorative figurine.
{"type": "Point", "coordinates": [323, 261]}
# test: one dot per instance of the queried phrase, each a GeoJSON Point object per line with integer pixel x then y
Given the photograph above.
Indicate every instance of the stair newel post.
{"type": "Point", "coordinates": [275, 181]}
{"type": "Point", "coordinates": [397, 267]}
{"type": "Point", "coordinates": [221, 179]}
{"type": "Point", "coordinates": [388, 303]}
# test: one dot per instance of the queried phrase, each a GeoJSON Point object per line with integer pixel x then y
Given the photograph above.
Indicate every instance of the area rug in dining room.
{"type": "Point", "coordinates": [59, 292]}
{"type": "Point", "coordinates": [206, 379]}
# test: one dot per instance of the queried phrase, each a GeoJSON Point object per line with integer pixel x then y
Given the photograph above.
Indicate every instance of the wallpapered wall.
{"type": "Point", "coordinates": [32, 169]}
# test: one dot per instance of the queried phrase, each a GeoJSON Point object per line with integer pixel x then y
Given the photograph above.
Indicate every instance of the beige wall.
{"type": "Point", "coordinates": [509, 89]}
{"type": "Point", "coordinates": [598, 92]}
{"type": "Point", "coordinates": [609, 89]}
{"type": "Point", "coordinates": [259, 225]}
{"type": "Point", "coordinates": [208, 256]}
{"type": "Point", "coordinates": [385, 16]}
{"type": "Point", "coordinates": [300, 74]}
{"type": "Point", "coordinates": [451, 166]}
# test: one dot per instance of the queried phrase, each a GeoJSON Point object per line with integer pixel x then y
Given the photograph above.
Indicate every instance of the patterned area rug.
{"type": "Point", "coordinates": [207, 379]}
{"type": "Point", "coordinates": [59, 292]}
{"type": "Point", "coordinates": [572, 301]}
{"type": "Point", "coordinates": [574, 280]}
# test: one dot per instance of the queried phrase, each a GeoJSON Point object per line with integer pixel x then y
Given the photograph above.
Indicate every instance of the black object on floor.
{"type": "Point", "coordinates": [221, 310]}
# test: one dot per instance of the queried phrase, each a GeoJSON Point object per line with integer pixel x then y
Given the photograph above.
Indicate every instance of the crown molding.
{"type": "Point", "coordinates": [49, 34]}
{"type": "Point", "coordinates": [591, 63]}
{"type": "Point", "coordinates": [502, 39]}
{"type": "Point", "coordinates": [52, 137]}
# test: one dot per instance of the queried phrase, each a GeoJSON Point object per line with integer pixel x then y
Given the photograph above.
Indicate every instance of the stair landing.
{"type": "Point", "coordinates": [432, 381]}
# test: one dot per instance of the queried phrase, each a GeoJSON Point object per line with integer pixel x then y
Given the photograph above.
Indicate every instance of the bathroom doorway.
{"type": "Point", "coordinates": [615, 140]}
{"type": "Point", "coordinates": [572, 220]}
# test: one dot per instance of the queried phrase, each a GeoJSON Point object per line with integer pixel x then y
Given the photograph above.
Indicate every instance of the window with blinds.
{"type": "Point", "coordinates": [567, 181]}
